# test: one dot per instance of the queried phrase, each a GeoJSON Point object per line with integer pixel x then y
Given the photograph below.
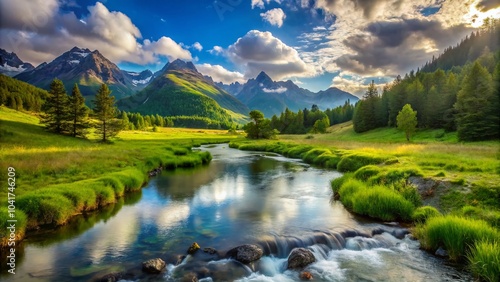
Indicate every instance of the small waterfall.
{"type": "Point", "coordinates": [281, 246]}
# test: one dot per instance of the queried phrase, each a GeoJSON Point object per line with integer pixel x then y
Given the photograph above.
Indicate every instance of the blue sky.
{"type": "Point", "coordinates": [315, 43]}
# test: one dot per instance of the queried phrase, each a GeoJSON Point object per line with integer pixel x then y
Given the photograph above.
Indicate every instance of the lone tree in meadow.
{"type": "Point", "coordinates": [105, 111]}
{"type": "Point", "coordinates": [78, 114]}
{"type": "Point", "coordinates": [407, 121]}
{"type": "Point", "coordinates": [259, 127]}
{"type": "Point", "coordinates": [56, 108]}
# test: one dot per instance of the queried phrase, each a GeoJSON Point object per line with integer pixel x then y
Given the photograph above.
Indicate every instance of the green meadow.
{"type": "Point", "coordinates": [59, 176]}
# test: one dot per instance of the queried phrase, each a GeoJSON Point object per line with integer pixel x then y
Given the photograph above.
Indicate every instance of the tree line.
{"type": "Point", "coordinates": [311, 120]}
{"type": "Point", "coordinates": [465, 99]}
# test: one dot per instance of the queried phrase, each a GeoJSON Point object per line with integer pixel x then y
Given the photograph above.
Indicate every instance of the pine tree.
{"type": "Point", "coordinates": [407, 121]}
{"type": "Point", "coordinates": [77, 114]}
{"type": "Point", "coordinates": [477, 117]}
{"type": "Point", "coordinates": [56, 108]}
{"type": "Point", "coordinates": [105, 111]}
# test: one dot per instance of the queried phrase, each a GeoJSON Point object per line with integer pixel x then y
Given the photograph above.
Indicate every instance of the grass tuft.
{"type": "Point", "coordinates": [484, 260]}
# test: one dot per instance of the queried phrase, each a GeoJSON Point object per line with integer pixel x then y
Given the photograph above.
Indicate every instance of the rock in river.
{"type": "Point", "coordinates": [153, 266]}
{"type": "Point", "coordinates": [300, 258]}
{"type": "Point", "coordinates": [193, 248]}
{"type": "Point", "coordinates": [246, 253]}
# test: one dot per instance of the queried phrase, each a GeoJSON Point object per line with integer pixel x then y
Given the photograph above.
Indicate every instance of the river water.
{"type": "Point", "coordinates": [240, 198]}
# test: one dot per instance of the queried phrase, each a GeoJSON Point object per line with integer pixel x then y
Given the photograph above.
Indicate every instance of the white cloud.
{"type": "Point", "coordinates": [277, 90]}
{"type": "Point", "coordinates": [274, 16]}
{"type": "Point", "coordinates": [39, 31]}
{"type": "Point", "coordinates": [197, 46]}
{"type": "Point", "coordinates": [220, 74]}
{"type": "Point", "coordinates": [260, 51]}
{"type": "Point", "coordinates": [354, 84]}
{"type": "Point", "coordinates": [216, 50]}
{"type": "Point", "coordinates": [261, 3]}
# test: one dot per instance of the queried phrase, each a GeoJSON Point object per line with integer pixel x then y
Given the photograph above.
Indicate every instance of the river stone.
{"type": "Point", "coordinates": [300, 258]}
{"type": "Point", "coordinates": [193, 248]}
{"type": "Point", "coordinates": [210, 250]}
{"type": "Point", "coordinates": [440, 252]}
{"type": "Point", "coordinates": [246, 253]}
{"type": "Point", "coordinates": [306, 275]}
{"type": "Point", "coordinates": [153, 265]}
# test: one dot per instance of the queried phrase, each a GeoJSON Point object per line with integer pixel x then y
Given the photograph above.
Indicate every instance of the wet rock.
{"type": "Point", "coordinates": [180, 259]}
{"type": "Point", "coordinates": [210, 250]}
{"type": "Point", "coordinates": [153, 265]}
{"type": "Point", "coordinates": [400, 233]}
{"type": "Point", "coordinates": [305, 275]}
{"type": "Point", "coordinates": [245, 253]}
{"type": "Point", "coordinates": [193, 248]}
{"type": "Point", "coordinates": [155, 171]}
{"type": "Point", "coordinates": [190, 277]}
{"type": "Point", "coordinates": [112, 277]}
{"type": "Point", "coordinates": [440, 252]}
{"type": "Point", "coordinates": [300, 258]}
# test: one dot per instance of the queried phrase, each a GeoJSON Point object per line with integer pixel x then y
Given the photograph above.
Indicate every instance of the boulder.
{"type": "Point", "coordinates": [153, 266]}
{"type": "Point", "coordinates": [300, 258]}
{"type": "Point", "coordinates": [210, 250]}
{"type": "Point", "coordinates": [193, 248]}
{"type": "Point", "coordinates": [246, 253]}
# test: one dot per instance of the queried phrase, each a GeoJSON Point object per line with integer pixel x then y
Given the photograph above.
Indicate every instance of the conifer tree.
{"type": "Point", "coordinates": [56, 108]}
{"type": "Point", "coordinates": [477, 117]}
{"type": "Point", "coordinates": [78, 114]}
{"type": "Point", "coordinates": [105, 111]}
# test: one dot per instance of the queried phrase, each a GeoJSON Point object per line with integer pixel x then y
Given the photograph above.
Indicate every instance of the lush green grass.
{"type": "Point", "coordinates": [484, 260]}
{"type": "Point", "coordinates": [457, 235]}
{"type": "Point", "coordinates": [422, 214]}
{"type": "Point", "coordinates": [59, 176]}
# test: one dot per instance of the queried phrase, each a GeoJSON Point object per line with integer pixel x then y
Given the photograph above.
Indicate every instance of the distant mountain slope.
{"type": "Point", "coordinates": [180, 90]}
{"type": "Point", "coordinates": [273, 97]}
{"type": "Point", "coordinates": [11, 65]}
{"type": "Point", "coordinates": [20, 95]}
{"type": "Point", "coordinates": [89, 69]}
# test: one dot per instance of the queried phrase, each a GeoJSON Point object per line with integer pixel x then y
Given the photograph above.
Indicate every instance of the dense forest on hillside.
{"type": "Point", "coordinates": [311, 120]}
{"type": "Point", "coordinates": [460, 97]}
{"type": "Point", "coordinates": [19, 95]}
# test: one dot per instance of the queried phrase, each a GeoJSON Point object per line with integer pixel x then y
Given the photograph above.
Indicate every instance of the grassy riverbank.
{"type": "Point", "coordinates": [390, 179]}
{"type": "Point", "coordinates": [59, 176]}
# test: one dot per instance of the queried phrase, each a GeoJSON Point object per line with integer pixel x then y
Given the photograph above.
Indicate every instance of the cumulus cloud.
{"type": "Point", "coordinates": [260, 51]}
{"type": "Point", "coordinates": [197, 46]}
{"type": "Point", "coordinates": [354, 84]}
{"type": "Point", "coordinates": [220, 74]}
{"type": "Point", "coordinates": [274, 16]}
{"type": "Point", "coordinates": [40, 31]}
{"type": "Point", "coordinates": [216, 50]}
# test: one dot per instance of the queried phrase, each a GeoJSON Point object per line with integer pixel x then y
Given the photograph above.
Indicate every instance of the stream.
{"type": "Point", "coordinates": [239, 198]}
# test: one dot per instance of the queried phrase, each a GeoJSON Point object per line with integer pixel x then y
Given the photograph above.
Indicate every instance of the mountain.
{"type": "Point", "coordinates": [180, 90]}
{"type": "Point", "coordinates": [273, 97]}
{"type": "Point", "coordinates": [11, 65]}
{"type": "Point", "coordinates": [233, 88]}
{"type": "Point", "coordinates": [89, 69]}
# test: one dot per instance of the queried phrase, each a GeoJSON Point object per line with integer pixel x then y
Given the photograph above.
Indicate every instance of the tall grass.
{"type": "Point", "coordinates": [484, 260]}
{"type": "Point", "coordinates": [383, 203]}
{"type": "Point", "coordinates": [422, 214]}
{"type": "Point", "coordinates": [457, 235]}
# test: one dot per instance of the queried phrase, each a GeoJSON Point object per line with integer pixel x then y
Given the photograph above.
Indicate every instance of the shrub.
{"type": "Point", "coordinates": [422, 214]}
{"type": "Point", "coordinates": [366, 172]}
{"type": "Point", "coordinates": [455, 234]}
{"type": "Point", "coordinates": [383, 203]}
{"type": "Point", "coordinates": [484, 260]}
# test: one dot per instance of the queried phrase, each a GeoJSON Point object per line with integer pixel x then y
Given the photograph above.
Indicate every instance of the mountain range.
{"type": "Point", "coordinates": [11, 65]}
{"type": "Point", "coordinates": [178, 89]}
